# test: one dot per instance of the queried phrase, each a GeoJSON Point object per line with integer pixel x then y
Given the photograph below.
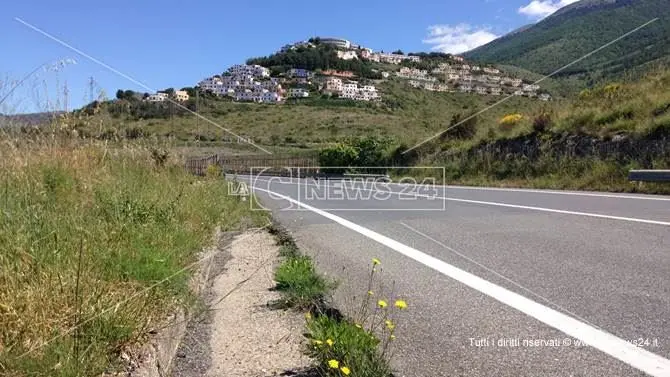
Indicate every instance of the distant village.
{"type": "Point", "coordinates": [254, 83]}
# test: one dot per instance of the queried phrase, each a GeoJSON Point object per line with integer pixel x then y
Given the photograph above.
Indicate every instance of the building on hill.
{"type": "Point", "coordinates": [298, 93]}
{"type": "Point", "coordinates": [249, 70]}
{"type": "Point", "coordinates": [299, 72]}
{"type": "Point", "coordinates": [158, 97]}
{"type": "Point", "coordinates": [333, 85]}
{"type": "Point", "coordinates": [181, 95]}
{"type": "Point", "coordinates": [347, 55]}
{"type": "Point", "coordinates": [544, 97]}
{"type": "Point", "coordinates": [337, 42]}
{"type": "Point", "coordinates": [332, 72]}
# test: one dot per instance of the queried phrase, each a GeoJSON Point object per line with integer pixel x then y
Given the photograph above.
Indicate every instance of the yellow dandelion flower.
{"type": "Point", "coordinates": [376, 261]}
{"type": "Point", "coordinates": [401, 304]}
{"type": "Point", "coordinates": [370, 293]}
{"type": "Point", "coordinates": [308, 316]}
{"type": "Point", "coordinates": [318, 342]}
{"type": "Point", "coordinates": [330, 342]}
{"type": "Point", "coordinates": [345, 371]}
{"type": "Point", "coordinates": [333, 364]}
{"type": "Point", "coordinates": [392, 337]}
{"type": "Point", "coordinates": [389, 324]}
{"type": "Point", "coordinates": [382, 304]}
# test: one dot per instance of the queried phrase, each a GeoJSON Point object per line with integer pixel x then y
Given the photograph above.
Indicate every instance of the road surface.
{"type": "Point", "coordinates": [500, 282]}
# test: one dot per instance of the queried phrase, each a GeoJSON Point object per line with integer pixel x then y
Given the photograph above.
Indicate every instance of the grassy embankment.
{"type": "Point", "coordinates": [93, 240]}
{"type": "Point", "coordinates": [636, 113]}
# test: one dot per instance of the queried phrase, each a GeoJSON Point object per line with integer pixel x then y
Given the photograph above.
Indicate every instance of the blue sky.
{"type": "Point", "coordinates": [173, 43]}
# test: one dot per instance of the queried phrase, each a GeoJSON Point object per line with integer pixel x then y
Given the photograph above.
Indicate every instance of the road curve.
{"type": "Point", "coordinates": [500, 282]}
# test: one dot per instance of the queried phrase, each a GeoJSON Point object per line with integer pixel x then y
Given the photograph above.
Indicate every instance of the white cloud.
{"type": "Point", "coordinates": [539, 9]}
{"type": "Point", "coordinates": [457, 39]}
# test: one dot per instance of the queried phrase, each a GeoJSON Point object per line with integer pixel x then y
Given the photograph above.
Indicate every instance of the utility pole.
{"type": "Point", "coordinates": [66, 93]}
{"type": "Point", "coordinates": [197, 118]}
{"type": "Point", "coordinates": [91, 89]}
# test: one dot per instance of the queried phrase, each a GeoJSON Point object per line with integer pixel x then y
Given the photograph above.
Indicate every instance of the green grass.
{"type": "Point", "coordinates": [83, 228]}
{"type": "Point", "coordinates": [301, 286]}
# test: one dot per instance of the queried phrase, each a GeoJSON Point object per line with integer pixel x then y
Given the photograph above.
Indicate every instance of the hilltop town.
{"type": "Point", "coordinates": [431, 72]}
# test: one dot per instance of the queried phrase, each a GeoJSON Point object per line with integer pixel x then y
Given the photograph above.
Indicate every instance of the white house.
{"type": "Point", "coordinates": [347, 55]}
{"type": "Point", "coordinates": [298, 93]}
{"type": "Point", "coordinates": [250, 70]}
{"type": "Point", "coordinates": [496, 90]}
{"type": "Point", "coordinates": [270, 97]}
{"type": "Point", "coordinates": [544, 97]}
{"type": "Point", "coordinates": [465, 88]}
{"type": "Point", "coordinates": [350, 90]}
{"type": "Point", "coordinates": [333, 84]}
{"type": "Point", "coordinates": [299, 72]}
{"type": "Point", "coordinates": [181, 95]}
{"type": "Point", "coordinates": [158, 97]}
{"type": "Point", "coordinates": [481, 90]}
{"type": "Point", "coordinates": [367, 93]}
{"type": "Point", "coordinates": [531, 87]}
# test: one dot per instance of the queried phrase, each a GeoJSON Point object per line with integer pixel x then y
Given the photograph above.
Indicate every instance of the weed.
{"type": "Point", "coordinates": [362, 344]}
{"type": "Point", "coordinates": [301, 285]}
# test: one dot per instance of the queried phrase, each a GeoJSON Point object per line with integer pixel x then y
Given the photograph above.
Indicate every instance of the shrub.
{"type": "Point", "coordinates": [159, 156]}
{"type": "Point", "coordinates": [463, 131]}
{"type": "Point", "coordinates": [510, 121]}
{"type": "Point", "coordinates": [339, 156]}
{"type": "Point", "coordinates": [542, 122]}
{"type": "Point", "coordinates": [214, 171]}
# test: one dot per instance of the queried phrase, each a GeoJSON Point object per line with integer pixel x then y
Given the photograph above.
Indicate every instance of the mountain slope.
{"type": "Point", "coordinates": [581, 28]}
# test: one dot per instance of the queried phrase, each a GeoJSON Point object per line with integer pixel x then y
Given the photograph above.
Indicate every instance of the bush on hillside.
{"type": "Point", "coordinates": [510, 121]}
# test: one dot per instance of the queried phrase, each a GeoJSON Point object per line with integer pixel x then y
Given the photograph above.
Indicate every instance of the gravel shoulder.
{"type": "Point", "coordinates": [237, 334]}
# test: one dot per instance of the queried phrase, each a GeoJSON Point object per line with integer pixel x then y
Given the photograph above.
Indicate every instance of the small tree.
{"type": "Point", "coordinates": [120, 94]}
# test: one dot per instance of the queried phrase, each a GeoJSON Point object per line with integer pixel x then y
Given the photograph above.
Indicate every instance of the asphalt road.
{"type": "Point", "coordinates": [499, 282]}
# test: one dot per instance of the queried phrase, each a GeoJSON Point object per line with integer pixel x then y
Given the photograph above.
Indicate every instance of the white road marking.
{"type": "Point", "coordinates": [498, 204]}
{"type": "Point", "coordinates": [620, 349]}
{"type": "Point", "coordinates": [552, 192]}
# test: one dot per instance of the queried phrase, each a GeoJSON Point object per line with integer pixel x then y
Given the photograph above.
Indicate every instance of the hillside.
{"type": "Point", "coordinates": [590, 142]}
{"type": "Point", "coordinates": [406, 113]}
{"type": "Point", "coordinates": [580, 28]}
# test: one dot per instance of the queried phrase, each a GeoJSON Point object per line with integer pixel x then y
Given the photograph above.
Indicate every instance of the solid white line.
{"type": "Point", "coordinates": [506, 205]}
{"type": "Point", "coordinates": [620, 349]}
{"type": "Point", "coordinates": [553, 192]}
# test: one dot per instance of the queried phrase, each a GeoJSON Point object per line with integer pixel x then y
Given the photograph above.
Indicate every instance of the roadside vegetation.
{"type": "Point", "coordinates": [97, 246]}
{"type": "Point", "coordinates": [358, 344]}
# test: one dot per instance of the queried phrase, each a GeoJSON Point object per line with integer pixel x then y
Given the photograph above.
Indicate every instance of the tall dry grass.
{"type": "Point", "coordinates": [84, 226]}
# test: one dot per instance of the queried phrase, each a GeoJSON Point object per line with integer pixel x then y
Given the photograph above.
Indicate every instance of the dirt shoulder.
{"type": "Point", "coordinates": [238, 334]}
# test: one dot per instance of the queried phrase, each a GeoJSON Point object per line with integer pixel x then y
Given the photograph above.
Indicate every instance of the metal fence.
{"type": "Point", "coordinates": [276, 165]}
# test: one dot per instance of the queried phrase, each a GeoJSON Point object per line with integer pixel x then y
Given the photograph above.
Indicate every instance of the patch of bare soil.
{"type": "Point", "coordinates": [238, 334]}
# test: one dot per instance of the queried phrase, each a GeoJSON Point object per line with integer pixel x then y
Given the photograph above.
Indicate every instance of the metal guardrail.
{"type": "Point", "coordinates": [649, 175]}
